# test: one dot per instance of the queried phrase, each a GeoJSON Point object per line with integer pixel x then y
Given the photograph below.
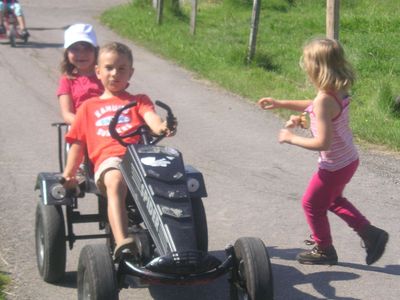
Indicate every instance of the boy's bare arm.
{"type": "Point", "coordinates": [155, 122]}
{"type": "Point", "coordinates": [74, 159]}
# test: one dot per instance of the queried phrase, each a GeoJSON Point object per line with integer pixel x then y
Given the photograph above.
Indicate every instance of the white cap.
{"type": "Point", "coordinates": [79, 33]}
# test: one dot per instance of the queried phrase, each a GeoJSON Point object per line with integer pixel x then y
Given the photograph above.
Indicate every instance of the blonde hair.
{"type": "Point", "coordinates": [118, 48]}
{"type": "Point", "coordinates": [326, 66]}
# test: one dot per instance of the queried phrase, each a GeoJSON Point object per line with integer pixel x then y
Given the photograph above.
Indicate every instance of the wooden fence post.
{"type": "Point", "coordinates": [193, 16]}
{"type": "Point", "coordinates": [255, 17]}
{"type": "Point", "coordinates": [160, 6]}
{"type": "Point", "coordinates": [332, 19]}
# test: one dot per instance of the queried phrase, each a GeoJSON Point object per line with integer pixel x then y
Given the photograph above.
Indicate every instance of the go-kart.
{"type": "Point", "coordinates": [166, 217]}
{"type": "Point", "coordinates": [13, 32]}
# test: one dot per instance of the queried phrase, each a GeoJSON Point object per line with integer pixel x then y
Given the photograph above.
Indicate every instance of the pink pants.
{"type": "Point", "coordinates": [324, 193]}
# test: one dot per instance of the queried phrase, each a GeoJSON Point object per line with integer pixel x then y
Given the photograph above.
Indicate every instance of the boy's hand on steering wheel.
{"type": "Point", "coordinates": [172, 125]}
{"type": "Point", "coordinates": [69, 182]}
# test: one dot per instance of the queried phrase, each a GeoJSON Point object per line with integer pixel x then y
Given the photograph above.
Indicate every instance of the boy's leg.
{"type": "Point", "coordinates": [20, 18]}
{"type": "Point", "coordinates": [116, 194]}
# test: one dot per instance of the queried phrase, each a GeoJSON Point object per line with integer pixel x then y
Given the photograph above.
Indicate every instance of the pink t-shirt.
{"type": "Point", "coordinates": [80, 88]}
{"type": "Point", "coordinates": [93, 118]}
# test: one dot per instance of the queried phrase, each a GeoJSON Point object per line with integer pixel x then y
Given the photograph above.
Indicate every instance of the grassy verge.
{"type": "Point", "coordinates": [369, 33]}
{"type": "Point", "coordinates": [4, 280]}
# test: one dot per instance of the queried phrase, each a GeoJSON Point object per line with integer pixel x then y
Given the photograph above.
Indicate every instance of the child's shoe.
{"type": "Point", "coordinates": [318, 256]}
{"type": "Point", "coordinates": [128, 248]}
{"type": "Point", "coordinates": [24, 33]}
{"type": "Point", "coordinates": [375, 240]}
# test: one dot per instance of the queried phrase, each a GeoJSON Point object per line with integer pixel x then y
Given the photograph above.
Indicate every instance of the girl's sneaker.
{"type": "Point", "coordinates": [375, 240]}
{"type": "Point", "coordinates": [318, 256]}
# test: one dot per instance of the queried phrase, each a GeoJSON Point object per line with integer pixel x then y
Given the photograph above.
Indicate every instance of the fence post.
{"type": "Point", "coordinates": [160, 6]}
{"type": "Point", "coordinates": [193, 17]}
{"type": "Point", "coordinates": [255, 17]}
{"type": "Point", "coordinates": [332, 19]}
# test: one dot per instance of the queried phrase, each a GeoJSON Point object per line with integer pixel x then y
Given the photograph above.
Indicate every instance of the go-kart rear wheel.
{"type": "Point", "coordinates": [200, 224]}
{"type": "Point", "coordinates": [50, 242]}
{"type": "Point", "coordinates": [110, 242]}
{"type": "Point", "coordinates": [96, 274]}
{"type": "Point", "coordinates": [12, 36]}
{"type": "Point", "coordinates": [251, 276]}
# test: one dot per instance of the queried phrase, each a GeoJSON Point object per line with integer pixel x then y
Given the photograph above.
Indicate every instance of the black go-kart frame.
{"type": "Point", "coordinates": [166, 217]}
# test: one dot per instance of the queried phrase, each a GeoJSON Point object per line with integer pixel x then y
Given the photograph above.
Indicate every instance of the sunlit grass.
{"type": "Point", "coordinates": [4, 280]}
{"type": "Point", "coordinates": [218, 51]}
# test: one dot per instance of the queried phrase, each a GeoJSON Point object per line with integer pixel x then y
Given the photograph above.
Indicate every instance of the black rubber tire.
{"type": "Point", "coordinates": [12, 36]}
{"type": "Point", "coordinates": [96, 274]}
{"type": "Point", "coordinates": [251, 277]}
{"type": "Point", "coordinates": [200, 224]}
{"type": "Point", "coordinates": [110, 242]}
{"type": "Point", "coordinates": [51, 254]}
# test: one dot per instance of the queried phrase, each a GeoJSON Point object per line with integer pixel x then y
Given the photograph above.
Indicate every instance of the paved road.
{"type": "Point", "coordinates": [254, 184]}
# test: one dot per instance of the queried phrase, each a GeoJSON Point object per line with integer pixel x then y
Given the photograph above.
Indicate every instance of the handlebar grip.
{"type": "Point", "coordinates": [171, 120]}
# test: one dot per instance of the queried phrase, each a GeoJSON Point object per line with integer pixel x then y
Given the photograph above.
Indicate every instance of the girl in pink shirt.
{"type": "Point", "coordinates": [78, 81]}
{"type": "Point", "coordinates": [327, 68]}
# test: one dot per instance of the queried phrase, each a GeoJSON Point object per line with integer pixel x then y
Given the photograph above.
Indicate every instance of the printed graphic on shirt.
{"type": "Point", "coordinates": [104, 116]}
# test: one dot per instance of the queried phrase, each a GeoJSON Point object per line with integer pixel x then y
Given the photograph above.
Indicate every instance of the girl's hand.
{"type": "Point", "coordinates": [297, 120]}
{"type": "Point", "coordinates": [285, 136]}
{"type": "Point", "coordinates": [268, 103]}
{"type": "Point", "coordinates": [293, 121]}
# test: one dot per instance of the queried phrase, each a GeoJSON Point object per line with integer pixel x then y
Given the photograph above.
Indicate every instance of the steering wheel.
{"type": "Point", "coordinates": [114, 121]}
{"type": "Point", "coordinates": [142, 130]}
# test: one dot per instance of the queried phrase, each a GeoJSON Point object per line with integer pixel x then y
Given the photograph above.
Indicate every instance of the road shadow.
{"type": "Point", "coordinates": [69, 280]}
{"type": "Point", "coordinates": [287, 278]}
{"type": "Point", "coordinates": [34, 45]}
{"type": "Point", "coordinates": [48, 28]}
{"type": "Point", "coordinates": [388, 269]}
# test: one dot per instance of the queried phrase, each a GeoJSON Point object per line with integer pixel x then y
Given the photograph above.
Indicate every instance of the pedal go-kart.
{"type": "Point", "coordinates": [166, 217]}
{"type": "Point", "coordinates": [13, 32]}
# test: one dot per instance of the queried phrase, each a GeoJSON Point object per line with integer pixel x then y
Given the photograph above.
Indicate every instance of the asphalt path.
{"type": "Point", "coordinates": [254, 183]}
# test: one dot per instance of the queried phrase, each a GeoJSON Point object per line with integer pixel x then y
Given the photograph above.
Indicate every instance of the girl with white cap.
{"type": "Point", "coordinates": [78, 81]}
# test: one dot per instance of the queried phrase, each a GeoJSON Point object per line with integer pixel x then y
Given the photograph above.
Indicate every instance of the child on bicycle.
{"type": "Point", "coordinates": [13, 5]}
{"type": "Point", "coordinates": [90, 131]}
{"type": "Point", "coordinates": [327, 68]}
{"type": "Point", "coordinates": [78, 81]}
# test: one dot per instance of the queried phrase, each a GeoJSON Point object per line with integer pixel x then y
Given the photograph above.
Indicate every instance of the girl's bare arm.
{"type": "Point", "coordinates": [325, 110]}
{"type": "Point", "coordinates": [67, 108]}
{"type": "Point", "coordinates": [295, 105]}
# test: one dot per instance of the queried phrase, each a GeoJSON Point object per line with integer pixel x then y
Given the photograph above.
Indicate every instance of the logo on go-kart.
{"type": "Point", "coordinates": [153, 162]}
{"type": "Point", "coordinates": [106, 120]}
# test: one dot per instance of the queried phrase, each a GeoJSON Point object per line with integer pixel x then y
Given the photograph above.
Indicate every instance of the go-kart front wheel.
{"type": "Point", "coordinates": [251, 276]}
{"type": "Point", "coordinates": [50, 242]}
{"type": "Point", "coordinates": [96, 274]}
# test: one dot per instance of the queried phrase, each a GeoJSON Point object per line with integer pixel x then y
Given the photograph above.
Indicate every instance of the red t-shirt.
{"type": "Point", "coordinates": [80, 88]}
{"type": "Point", "coordinates": [93, 118]}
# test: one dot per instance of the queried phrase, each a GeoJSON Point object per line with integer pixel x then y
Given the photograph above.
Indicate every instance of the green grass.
{"type": "Point", "coordinates": [217, 52]}
{"type": "Point", "coordinates": [4, 280]}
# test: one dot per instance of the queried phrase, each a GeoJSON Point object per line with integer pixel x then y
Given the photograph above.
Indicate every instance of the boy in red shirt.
{"type": "Point", "coordinates": [90, 131]}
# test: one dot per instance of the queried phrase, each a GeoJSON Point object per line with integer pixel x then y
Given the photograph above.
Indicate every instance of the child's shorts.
{"type": "Point", "coordinates": [108, 164]}
{"type": "Point", "coordinates": [16, 7]}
